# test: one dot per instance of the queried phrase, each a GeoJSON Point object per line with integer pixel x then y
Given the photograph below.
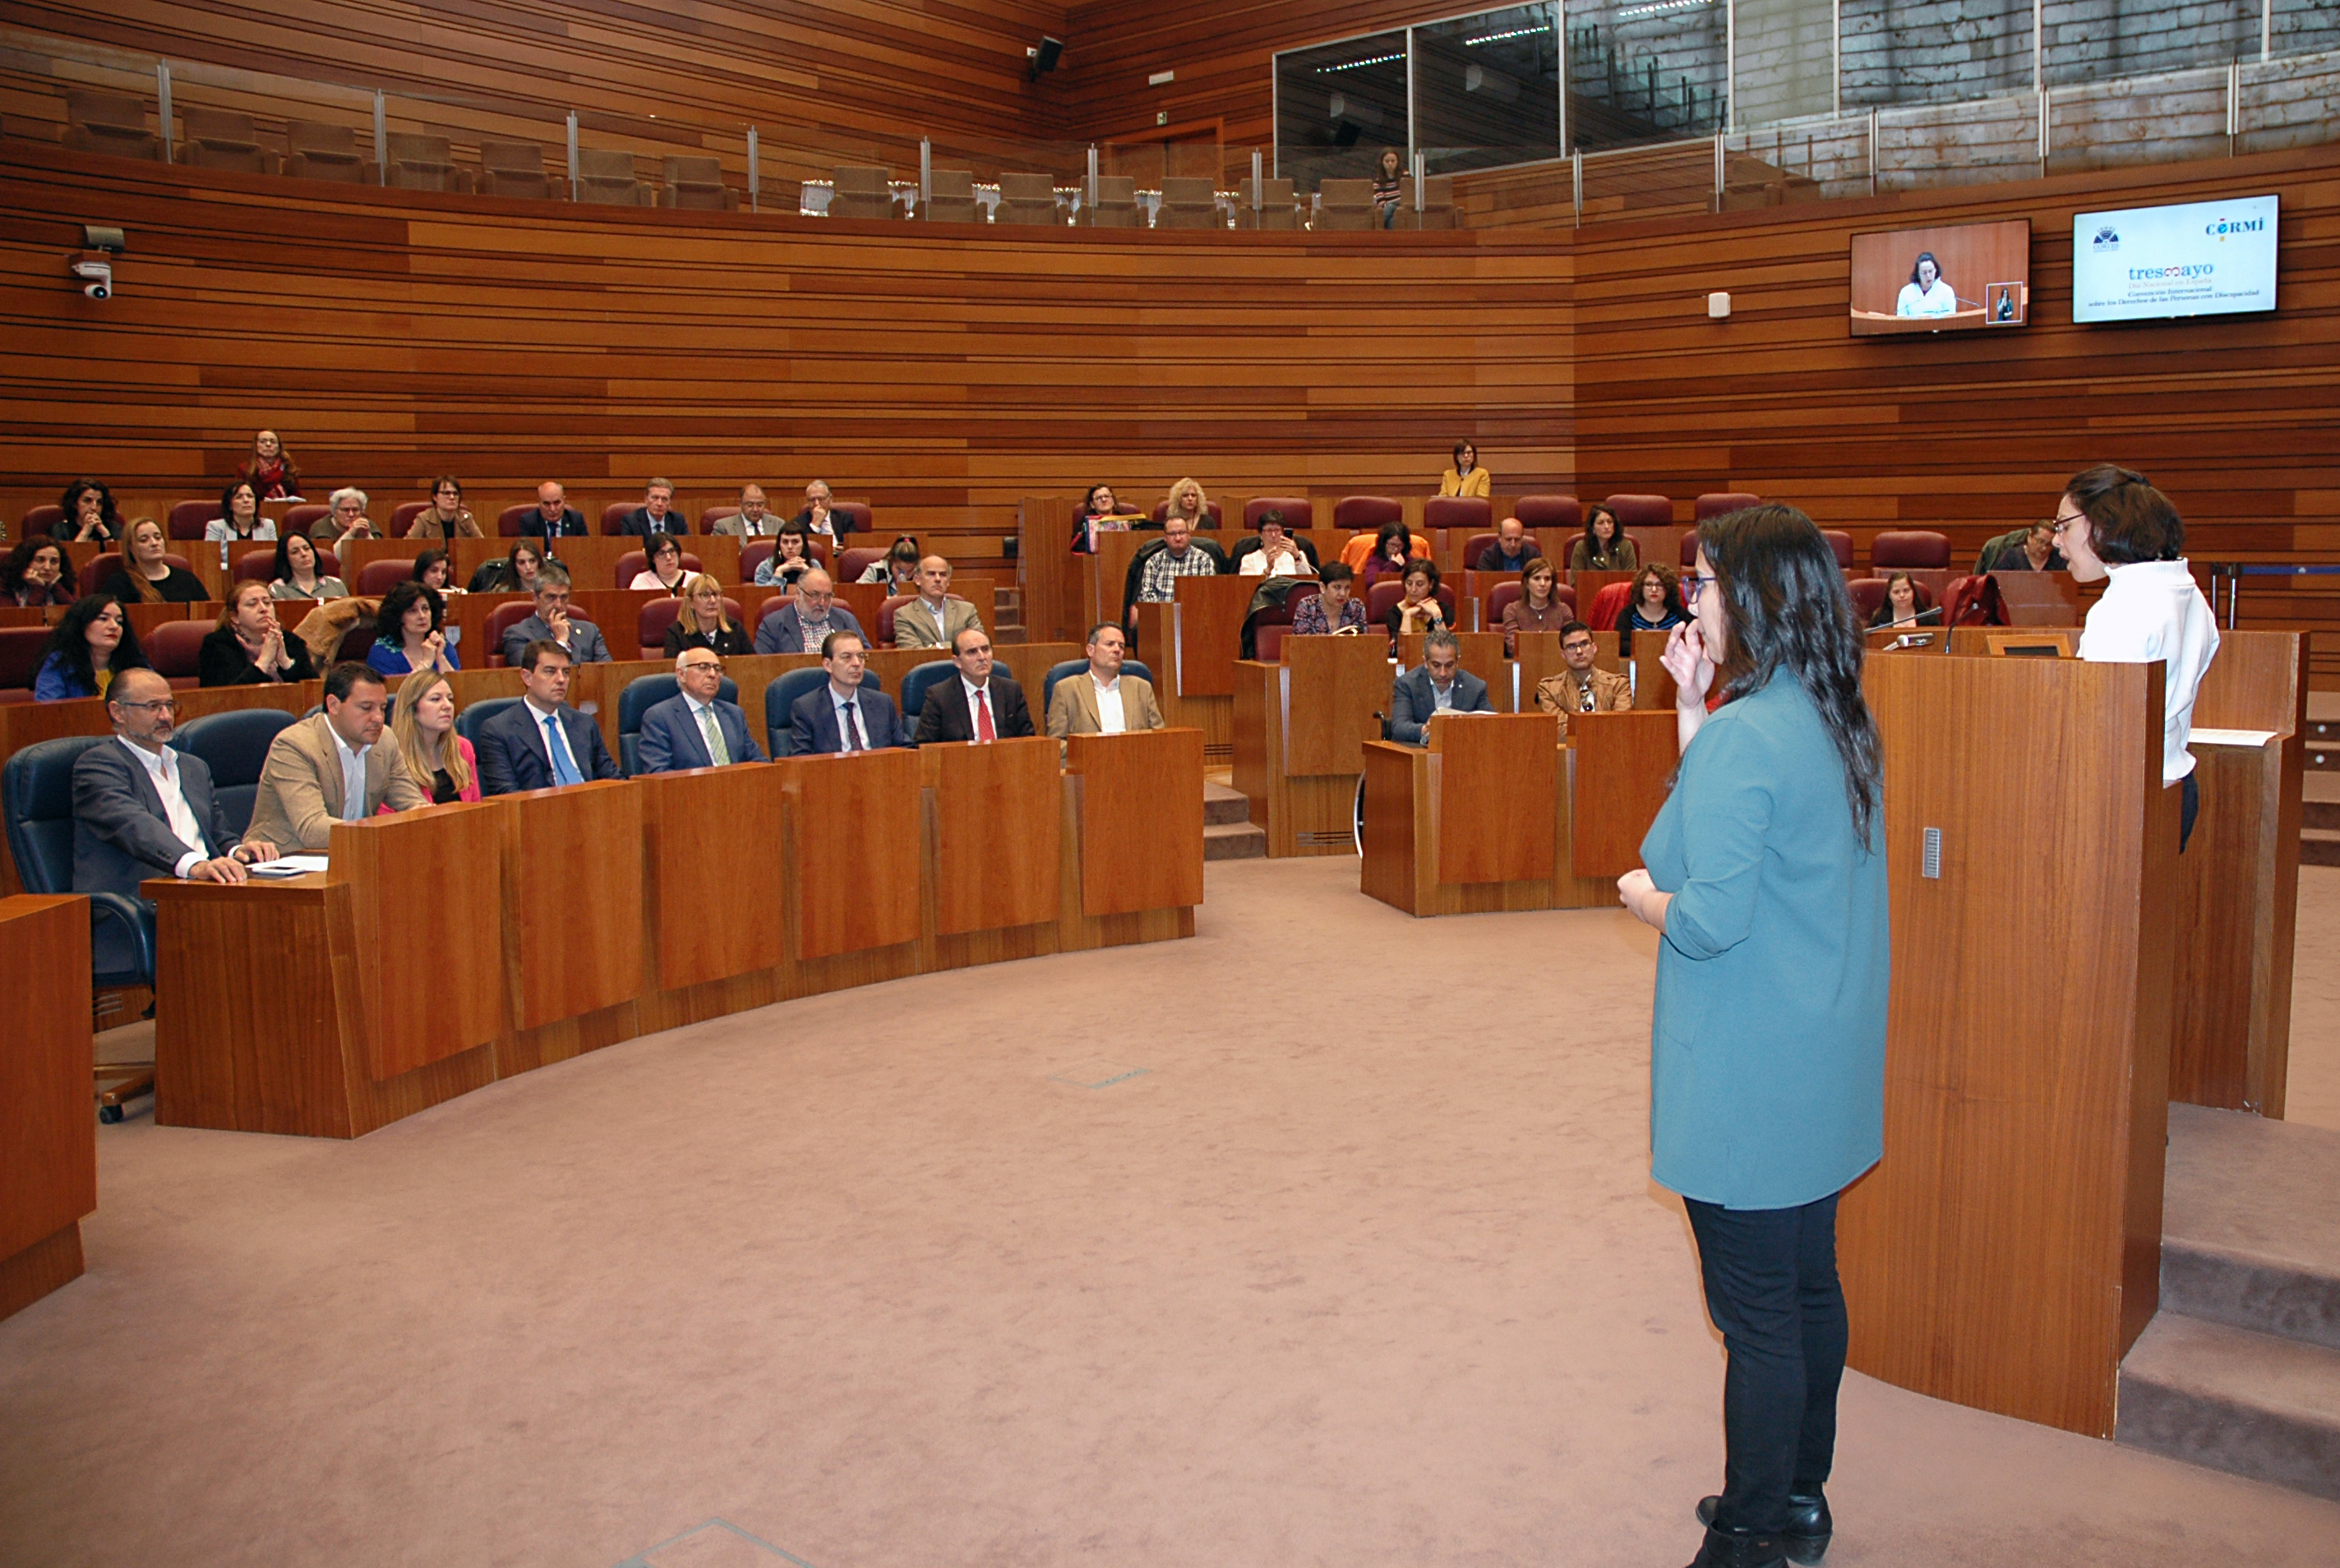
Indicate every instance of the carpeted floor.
{"type": "Point", "coordinates": [1323, 1238]}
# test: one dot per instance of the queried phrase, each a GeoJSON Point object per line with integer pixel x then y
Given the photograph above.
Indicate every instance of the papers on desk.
{"type": "Point", "coordinates": [2230, 737]}
{"type": "Point", "coordinates": [289, 865]}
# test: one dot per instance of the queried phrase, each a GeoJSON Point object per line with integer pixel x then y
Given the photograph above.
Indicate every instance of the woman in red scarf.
{"type": "Point", "coordinates": [270, 469]}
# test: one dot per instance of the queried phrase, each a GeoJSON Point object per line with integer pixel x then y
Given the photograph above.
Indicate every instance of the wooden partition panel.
{"type": "Point", "coordinates": [48, 1135]}
{"type": "Point", "coordinates": [1491, 773]}
{"type": "Point", "coordinates": [1141, 823]}
{"type": "Point", "coordinates": [1332, 688]}
{"type": "Point", "coordinates": [427, 928]}
{"type": "Point", "coordinates": [2005, 1252]}
{"type": "Point", "coordinates": [1623, 764]}
{"type": "Point", "coordinates": [857, 845]}
{"type": "Point", "coordinates": [1207, 631]}
{"type": "Point", "coordinates": [712, 840]}
{"type": "Point", "coordinates": [572, 909]}
{"type": "Point", "coordinates": [996, 831]}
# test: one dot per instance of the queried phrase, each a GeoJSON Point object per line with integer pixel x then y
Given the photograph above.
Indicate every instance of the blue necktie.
{"type": "Point", "coordinates": [564, 769]}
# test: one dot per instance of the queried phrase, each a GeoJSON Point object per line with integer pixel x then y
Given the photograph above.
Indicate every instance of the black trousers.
{"type": "Point", "coordinates": [2189, 806]}
{"type": "Point", "coordinates": [1771, 1288]}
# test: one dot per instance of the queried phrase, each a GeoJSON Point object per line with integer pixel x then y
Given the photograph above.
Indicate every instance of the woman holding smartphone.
{"type": "Point", "coordinates": [1765, 876]}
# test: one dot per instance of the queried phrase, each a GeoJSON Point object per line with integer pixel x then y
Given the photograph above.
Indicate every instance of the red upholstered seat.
{"type": "Point", "coordinates": [1722, 502]}
{"type": "Point", "coordinates": [260, 565]}
{"type": "Point", "coordinates": [753, 553]}
{"type": "Point", "coordinates": [188, 517]}
{"type": "Point", "coordinates": [772, 606]}
{"type": "Point", "coordinates": [853, 562]}
{"type": "Point", "coordinates": [402, 516]}
{"type": "Point", "coordinates": [634, 562]}
{"type": "Point", "coordinates": [1267, 642]}
{"type": "Point", "coordinates": [1869, 592]}
{"type": "Point", "coordinates": [20, 655]}
{"type": "Point", "coordinates": [894, 602]}
{"type": "Point", "coordinates": [1458, 511]}
{"type": "Point", "coordinates": [1366, 513]}
{"type": "Point", "coordinates": [1561, 513]}
{"type": "Point", "coordinates": [1635, 511]}
{"type": "Point", "coordinates": [1609, 606]}
{"type": "Point", "coordinates": [615, 513]}
{"type": "Point", "coordinates": [301, 519]}
{"type": "Point", "coordinates": [1390, 589]}
{"type": "Point", "coordinates": [509, 520]}
{"type": "Point", "coordinates": [101, 567]}
{"type": "Point", "coordinates": [1218, 513]}
{"type": "Point", "coordinates": [41, 519]}
{"type": "Point", "coordinates": [1500, 596]}
{"type": "Point", "coordinates": [1841, 542]}
{"type": "Point", "coordinates": [503, 619]}
{"type": "Point", "coordinates": [709, 516]}
{"type": "Point", "coordinates": [1689, 550]}
{"type": "Point", "coordinates": [376, 578]}
{"type": "Point", "coordinates": [175, 648]}
{"type": "Point", "coordinates": [1479, 543]}
{"type": "Point", "coordinates": [1297, 509]}
{"type": "Point", "coordinates": [1910, 548]}
{"type": "Point", "coordinates": [859, 510]}
{"type": "Point", "coordinates": [649, 628]}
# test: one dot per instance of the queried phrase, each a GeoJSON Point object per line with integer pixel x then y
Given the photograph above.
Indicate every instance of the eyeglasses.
{"type": "Point", "coordinates": [716, 665]}
{"type": "Point", "coordinates": [2063, 522]}
{"type": "Point", "coordinates": [1693, 587]}
{"type": "Point", "coordinates": [160, 705]}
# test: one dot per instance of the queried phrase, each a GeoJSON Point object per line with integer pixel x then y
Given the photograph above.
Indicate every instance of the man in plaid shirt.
{"type": "Point", "coordinates": [1164, 570]}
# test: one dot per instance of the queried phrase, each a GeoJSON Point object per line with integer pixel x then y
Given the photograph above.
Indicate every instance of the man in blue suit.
{"type": "Point", "coordinates": [1440, 686]}
{"type": "Point", "coordinates": [541, 741]}
{"type": "Point", "coordinates": [843, 716]}
{"type": "Point", "coordinates": [142, 809]}
{"type": "Point", "coordinates": [696, 728]}
{"type": "Point", "coordinates": [803, 626]}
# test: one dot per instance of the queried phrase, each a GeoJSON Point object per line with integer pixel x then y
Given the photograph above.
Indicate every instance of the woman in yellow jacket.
{"type": "Point", "coordinates": [1466, 477]}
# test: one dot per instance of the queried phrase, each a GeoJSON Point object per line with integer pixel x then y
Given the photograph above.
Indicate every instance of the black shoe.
{"type": "Point", "coordinates": [1805, 1535]}
{"type": "Point", "coordinates": [1741, 1549]}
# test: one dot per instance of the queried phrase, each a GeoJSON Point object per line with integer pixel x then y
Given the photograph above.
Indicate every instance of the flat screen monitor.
{"type": "Point", "coordinates": [1956, 277]}
{"type": "Point", "coordinates": [2197, 259]}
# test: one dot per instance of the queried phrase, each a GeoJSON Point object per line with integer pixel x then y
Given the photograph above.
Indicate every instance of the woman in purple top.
{"type": "Point", "coordinates": [1331, 607]}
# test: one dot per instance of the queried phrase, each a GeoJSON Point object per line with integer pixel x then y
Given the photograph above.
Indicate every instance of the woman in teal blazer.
{"type": "Point", "coordinates": [1765, 870]}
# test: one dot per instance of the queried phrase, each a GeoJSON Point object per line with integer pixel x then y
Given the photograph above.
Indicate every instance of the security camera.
{"type": "Point", "coordinates": [96, 275]}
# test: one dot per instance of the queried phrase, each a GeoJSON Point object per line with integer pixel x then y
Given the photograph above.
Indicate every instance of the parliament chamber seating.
{"type": "Point", "coordinates": [884, 630]}
{"type": "Point", "coordinates": [634, 562]}
{"type": "Point", "coordinates": [501, 619]}
{"type": "Point", "coordinates": [1609, 605]}
{"type": "Point", "coordinates": [781, 696]}
{"type": "Point", "coordinates": [1922, 552]}
{"type": "Point", "coordinates": [924, 678]}
{"type": "Point", "coordinates": [649, 627]}
{"type": "Point", "coordinates": [1507, 593]}
{"type": "Point", "coordinates": [864, 519]}
{"type": "Point", "coordinates": [234, 746]}
{"type": "Point", "coordinates": [1560, 513]}
{"type": "Point", "coordinates": [1278, 207]}
{"type": "Point", "coordinates": [1116, 205]}
{"type": "Point", "coordinates": [695, 184]}
{"type": "Point", "coordinates": [1219, 512]}
{"type": "Point", "coordinates": [105, 565]}
{"type": "Point", "coordinates": [424, 162]}
{"type": "Point", "coordinates": [951, 198]}
{"type": "Point", "coordinates": [1477, 542]}
{"type": "Point", "coordinates": [509, 520]}
{"type": "Point", "coordinates": [402, 516]}
{"type": "Point", "coordinates": [110, 123]}
{"type": "Point", "coordinates": [20, 661]}
{"type": "Point", "coordinates": [1382, 595]}
{"type": "Point", "coordinates": [186, 518]}
{"type": "Point", "coordinates": [1028, 199]}
{"type": "Point", "coordinates": [1869, 592]}
{"type": "Point", "coordinates": [1062, 668]}
{"type": "Point", "coordinates": [862, 191]}
{"type": "Point", "coordinates": [1637, 510]}
{"type": "Point", "coordinates": [1298, 511]}
{"type": "Point", "coordinates": [36, 786]}
{"type": "Point", "coordinates": [477, 713]}
{"type": "Point", "coordinates": [1841, 542]}
{"type": "Point", "coordinates": [605, 176]}
{"type": "Point", "coordinates": [1267, 640]}
{"type": "Point", "coordinates": [614, 514]}
{"type": "Point", "coordinates": [1188, 202]}
{"type": "Point", "coordinates": [175, 649]}
{"type": "Point", "coordinates": [223, 139]}
{"type": "Point", "coordinates": [321, 152]}
{"type": "Point", "coordinates": [851, 563]}
{"type": "Point", "coordinates": [1722, 502]}
{"type": "Point", "coordinates": [260, 565]}
{"type": "Point", "coordinates": [516, 169]}
{"type": "Point", "coordinates": [1458, 511]}
{"type": "Point", "coordinates": [376, 578]}
{"type": "Point", "coordinates": [1437, 203]}
{"type": "Point", "coordinates": [641, 695]}
{"type": "Point", "coordinates": [1364, 513]}
{"type": "Point", "coordinates": [1345, 204]}
{"type": "Point", "coordinates": [40, 520]}
{"type": "Point", "coordinates": [301, 519]}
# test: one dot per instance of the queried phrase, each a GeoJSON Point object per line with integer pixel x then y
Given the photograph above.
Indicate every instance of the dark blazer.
{"type": "Point", "coordinates": [813, 722]}
{"type": "Point", "coordinates": [572, 521]}
{"type": "Point", "coordinates": [181, 587]}
{"type": "Point", "coordinates": [638, 522]}
{"type": "Point", "coordinates": [121, 836]}
{"type": "Point", "coordinates": [726, 643]}
{"type": "Point", "coordinates": [585, 644]}
{"type": "Point", "coordinates": [840, 522]}
{"type": "Point", "coordinates": [782, 632]}
{"type": "Point", "coordinates": [670, 738]}
{"type": "Point", "coordinates": [1414, 700]}
{"type": "Point", "coordinates": [948, 716]}
{"type": "Point", "coordinates": [512, 756]}
{"type": "Point", "coordinates": [1492, 559]}
{"type": "Point", "coordinates": [222, 662]}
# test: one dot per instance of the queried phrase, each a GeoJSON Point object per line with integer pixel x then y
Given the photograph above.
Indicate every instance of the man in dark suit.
{"type": "Point", "coordinates": [803, 625]}
{"type": "Point", "coordinates": [553, 514]}
{"type": "Point", "coordinates": [656, 514]}
{"type": "Point", "coordinates": [1512, 551]}
{"type": "Point", "coordinates": [541, 741]}
{"type": "Point", "coordinates": [142, 809]}
{"type": "Point", "coordinates": [979, 704]}
{"type": "Point", "coordinates": [843, 716]}
{"type": "Point", "coordinates": [1440, 686]}
{"type": "Point", "coordinates": [696, 727]}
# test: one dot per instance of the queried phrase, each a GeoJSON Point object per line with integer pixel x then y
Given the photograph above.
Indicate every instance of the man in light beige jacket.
{"type": "Point", "coordinates": [935, 619]}
{"type": "Point", "coordinates": [1101, 699]}
{"type": "Point", "coordinates": [330, 768]}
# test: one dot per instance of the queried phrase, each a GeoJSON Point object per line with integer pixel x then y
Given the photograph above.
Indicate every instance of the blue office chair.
{"type": "Point", "coordinates": [1074, 666]}
{"type": "Point", "coordinates": [468, 722]}
{"type": "Point", "coordinates": [234, 747]}
{"type": "Point", "coordinates": [780, 699]}
{"type": "Point", "coordinates": [641, 695]}
{"type": "Point", "coordinates": [922, 679]}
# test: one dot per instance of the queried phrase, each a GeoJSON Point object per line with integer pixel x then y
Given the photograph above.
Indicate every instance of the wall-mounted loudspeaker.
{"type": "Point", "coordinates": [1043, 58]}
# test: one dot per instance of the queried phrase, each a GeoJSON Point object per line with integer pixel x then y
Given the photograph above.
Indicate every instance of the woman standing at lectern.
{"type": "Point", "coordinates": [1766, 876]}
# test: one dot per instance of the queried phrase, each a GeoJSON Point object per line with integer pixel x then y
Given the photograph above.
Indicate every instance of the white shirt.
{"type": "Point", "coordinates": [1110, 720]}
{"type": "Point", "coordinates": [1941, 299]}
{"type": "Point", "coordinates": [353, 777]}
{"type": "Point", "coordinates": [703, 714]}
{"type": "Point", "coordinates": [984, 692]}
{"type": "Point", "coordinates": [163, 769]}
{"type": "Point", "coordinates": [1441, 698]}
{"type": "Point", "coordinates": [1290, 563]}
{"type": "Point", "coordinates": [540, 715]}
{"type": "Point", "coordinates": [2152, 609]}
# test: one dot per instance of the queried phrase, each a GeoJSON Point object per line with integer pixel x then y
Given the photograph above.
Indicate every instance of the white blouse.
{"type": "Point", "coordinates": [2152, 609]}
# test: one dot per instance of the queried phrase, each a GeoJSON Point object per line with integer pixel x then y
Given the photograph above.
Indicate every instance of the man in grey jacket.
{"type": "Point", "coordinates": [552, 623]}
{"type": "Point", "coordinates": [142, 809]}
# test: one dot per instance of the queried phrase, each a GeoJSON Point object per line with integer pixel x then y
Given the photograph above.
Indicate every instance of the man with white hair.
{"type": "Point", "coordinates": [696, 727]}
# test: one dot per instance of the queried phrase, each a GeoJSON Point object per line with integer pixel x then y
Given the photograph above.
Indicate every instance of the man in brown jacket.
{"type": "Point", "coordinates": [329, 768]}
{"type": "Point", "coordinates": [1101, 699]}
{"type": "Point", "coordinates": [1579, 688]}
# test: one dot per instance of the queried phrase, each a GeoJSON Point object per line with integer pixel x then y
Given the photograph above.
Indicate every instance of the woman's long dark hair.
{"type": "Point", "coordinates": [71, 639]}
{"type": "Point", "coordinates": [1784, 607]}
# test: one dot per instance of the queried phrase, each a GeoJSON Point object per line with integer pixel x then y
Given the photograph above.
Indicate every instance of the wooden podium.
{"type": "Point", "coordinates": [1132, 838]}
{"type": "Point", "coordinates": [1299, 729]}
{"type": "Point", "coordinates": [48, 1141]}
{"type": "Point", "coordinates": [2007, 1250]}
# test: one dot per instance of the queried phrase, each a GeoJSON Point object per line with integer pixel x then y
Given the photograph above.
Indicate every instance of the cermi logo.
{"type": "Point", "coordinates": [2107, 239]}
{"type": "Point", "coordinates": [2225, 226]}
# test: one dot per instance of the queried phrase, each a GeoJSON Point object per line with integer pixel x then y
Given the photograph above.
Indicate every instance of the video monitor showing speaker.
{"type": "Point", "coordinates": [1953, 278]}
{"type": "Point", "coordinates": [2153, 263]}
